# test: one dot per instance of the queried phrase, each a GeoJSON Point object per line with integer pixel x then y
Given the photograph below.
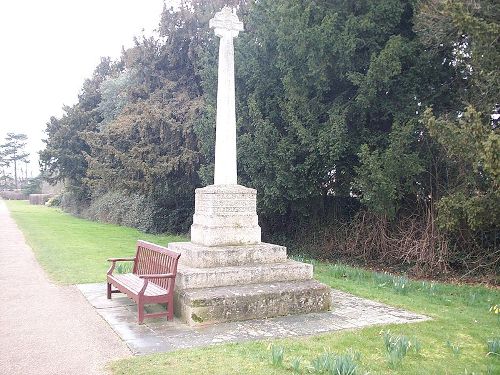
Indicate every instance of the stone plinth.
{"type": "Point", "coordinates": [226, 274]}
{"type": "Point", "coordinates": [225, 215]}
{"type": "Point", "coordinates": [198, 256]}
{"type": "Point", "coordinates": [252, 301]}
{"type": "Point", "coordinates": [192, 278]}
{"type": "Point", "coordinates": [233, 283]}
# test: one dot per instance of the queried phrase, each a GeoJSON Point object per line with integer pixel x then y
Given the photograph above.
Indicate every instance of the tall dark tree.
{"type": "Point", "coordinates": [330, 96]}
{"type": "Point", "coordinates": [63, 158]}
{"type": "Point", "coordinates": [4, 164]}
{"type": "Point", "coordinates": [316, 82]}
{"type": "Point", "coordinates": [14, 151]}
{"type": "Point", "coordinates": [466, 34]}
{"type": "Point", "coordinates": [147, 143]}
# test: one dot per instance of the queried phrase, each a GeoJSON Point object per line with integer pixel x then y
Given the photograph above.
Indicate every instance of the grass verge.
{"type": "Point", "coordinates": [74, 250]}
{"type": "Point", "coordinates": [461, 315]}
{"type": "Point", "coordinates": [462, 338]}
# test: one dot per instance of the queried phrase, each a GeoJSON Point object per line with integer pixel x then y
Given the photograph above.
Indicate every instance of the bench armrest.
{"type": "Point", "coordinates": [121, 259]}
{"type": "Point", "coordinates": [146, 278]}
{"type": "Point", "coordinates": [158, 276]}
{"type": "Point", "coordinates": [114, 260]}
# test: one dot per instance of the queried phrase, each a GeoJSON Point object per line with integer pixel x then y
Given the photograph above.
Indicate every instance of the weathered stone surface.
{"type": "Point", "coordinates": [226, 26]}
{"type": "Point", "coordinates": [220, 236]}
{"type": "Point", "coordinates": [199, 256]}
{"type": "Point", "coordinates": [253, 301]}
{"type": "Point", "coordinates": [190, 278]}
{"type": "Point", "coordinates": [225, 215]}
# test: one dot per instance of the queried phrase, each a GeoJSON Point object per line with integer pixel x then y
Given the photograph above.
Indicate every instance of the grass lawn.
{"type": "Point", "coordinates": [454, 342]}
{"type": "Point", "coordinates": [73, 250]}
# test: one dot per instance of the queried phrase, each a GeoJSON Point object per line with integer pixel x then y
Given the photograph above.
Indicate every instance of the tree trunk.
{"type": "Point", "coordinates": [15, 172]}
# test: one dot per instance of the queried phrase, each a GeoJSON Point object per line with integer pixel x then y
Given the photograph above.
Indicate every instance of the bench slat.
{"type": "Point", "coordinates": [135, 284]}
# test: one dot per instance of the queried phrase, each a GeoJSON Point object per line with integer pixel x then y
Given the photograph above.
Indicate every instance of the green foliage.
{"type": "Point", "coordinates": [296, 363]}
{"type": "Point", "coordinates": [301, 130]}
{"type": "Point", "coordinates": [336, 364]}
{"type": "Point", "coordinates": [346, 364]}
{"type": "Point", "coordinates": [400, 284]}
{"type": "Point", "coordinates": [466, 162]}
{"type": "Point", "coordinates": [55, 201]}
{"type": "Point", "coordinates": [466, 33]}
{"type": "Point", "coordinates": [132, 131]}
{"type": "Point", "coordinates": [277, 355]}
{"type": "Point", "coordinates": [13, 152]}
{"type": "Point", "coordinates": [473, 148]}
{"type": "Point", "coordinates": [494, 346]}
{"type": "Point", "coordinates": [385, 177]}
{"type": "Point", "coordinates": [120, 207]}
{"type": "Point", "coordinates": [114, 94]}
{"type": "Point", "coordinates": [396, 346]}
{"type": "Point", "coordinates": [33, 186]}
{"type": "Point", "coordinates": [455, 348]}
{"type": "Point", "coordinates": [328, 98]}
{"type": "Point", "coordinates": [321, 363]}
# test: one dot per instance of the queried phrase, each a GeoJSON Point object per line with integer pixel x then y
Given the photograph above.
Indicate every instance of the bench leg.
{"type": "Point", "coordinates": [170, 308]}
{"type": "Point", "coordinates": [109, 291]}
{"type": "Point", "coordinates": [140, 310]}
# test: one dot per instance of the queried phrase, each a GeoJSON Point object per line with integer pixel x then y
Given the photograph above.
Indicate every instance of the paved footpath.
{"type": "Point", "coordinates": [46, 328]}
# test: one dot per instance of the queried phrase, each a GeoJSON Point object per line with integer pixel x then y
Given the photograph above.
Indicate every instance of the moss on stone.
{"type": "Point", "coordinates": [196, 318]}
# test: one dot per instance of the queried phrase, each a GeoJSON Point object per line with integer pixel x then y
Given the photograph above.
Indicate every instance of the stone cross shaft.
{"type": "Point", "coordinates": [227, 26]}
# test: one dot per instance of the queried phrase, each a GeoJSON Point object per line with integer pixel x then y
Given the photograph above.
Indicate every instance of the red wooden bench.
{"type": "Point", "coordinates": [151, 281]}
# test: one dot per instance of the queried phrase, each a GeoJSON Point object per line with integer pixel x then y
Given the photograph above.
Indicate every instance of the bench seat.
{"type": "Point", "coordinates": [133, 284]}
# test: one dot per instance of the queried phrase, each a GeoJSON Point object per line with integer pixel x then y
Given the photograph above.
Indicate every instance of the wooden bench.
{"type": "Point", "coordinates": [151, 281]}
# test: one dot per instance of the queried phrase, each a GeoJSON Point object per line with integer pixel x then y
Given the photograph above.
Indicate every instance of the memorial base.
{"type": "Point", "coordinates": [227, 274]}
{"type": "Point", "coordinates": [253, 301]}
{"type": "Point", "coordinates": [233, 283]}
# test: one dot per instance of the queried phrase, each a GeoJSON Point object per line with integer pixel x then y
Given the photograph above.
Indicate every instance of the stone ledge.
{"type": "Point", "coordinates": [226, 189]}
{"type": "Point", "coordinates": [225, 236]}
{"type": "Point", "coordinates": [192, 278]}
{"type": "Point", "coordinates": [199, 256]}
{"type": "Point", "coordinates": [250, 220]}
{"type": "Point", "coordinates": [254, 301]}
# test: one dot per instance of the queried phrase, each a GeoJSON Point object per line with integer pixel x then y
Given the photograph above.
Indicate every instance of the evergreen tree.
{"type": "Point", "coordinates": [13, 151]}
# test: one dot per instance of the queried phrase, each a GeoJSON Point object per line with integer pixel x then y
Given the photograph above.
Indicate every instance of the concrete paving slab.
{"type": "Point", "coordinates": [159, 335]}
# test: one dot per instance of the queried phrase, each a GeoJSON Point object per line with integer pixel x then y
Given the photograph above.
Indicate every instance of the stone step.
{"type": "Point", "coordinates": [193, 278]}
{"type": "Point", "coordinates": [199, 256]}
{"type": "Point", "coordinates": [253, 301]}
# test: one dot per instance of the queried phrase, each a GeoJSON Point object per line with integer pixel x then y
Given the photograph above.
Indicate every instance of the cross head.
{"type": "Point", "coordinates": [225, 22]}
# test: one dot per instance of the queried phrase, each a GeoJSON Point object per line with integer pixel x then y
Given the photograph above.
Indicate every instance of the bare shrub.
{"type": "Point", "coordinates": [413, 242]}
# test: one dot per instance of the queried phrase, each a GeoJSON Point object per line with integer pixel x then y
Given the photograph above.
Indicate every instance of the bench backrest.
{"type": "Point", "coordinates": [152, 258]}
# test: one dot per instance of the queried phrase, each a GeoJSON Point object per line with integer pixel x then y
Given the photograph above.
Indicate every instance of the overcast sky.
{"type": "Point", "coordinates": [49, 47]}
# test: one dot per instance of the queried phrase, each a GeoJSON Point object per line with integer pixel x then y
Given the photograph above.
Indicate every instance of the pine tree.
{"type": "Point", "coordinates": [13, 151]}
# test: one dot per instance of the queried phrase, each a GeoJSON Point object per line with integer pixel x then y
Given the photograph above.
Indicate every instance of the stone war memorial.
{"type": "Point", "coordinates": [226, 273]}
